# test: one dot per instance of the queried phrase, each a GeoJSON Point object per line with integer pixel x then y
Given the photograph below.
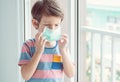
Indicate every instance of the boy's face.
{"type": "Point", "coordinates": [51, 22]}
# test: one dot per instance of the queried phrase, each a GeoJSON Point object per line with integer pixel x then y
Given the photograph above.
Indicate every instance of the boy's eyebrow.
{"type": "Point", "coordinates": [47, 24]}
{"type": "Point", "coordinates": [51, 24]}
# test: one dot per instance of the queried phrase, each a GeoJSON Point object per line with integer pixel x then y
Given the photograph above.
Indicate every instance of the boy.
{"type": "Point", "coordinates": [45, 58]}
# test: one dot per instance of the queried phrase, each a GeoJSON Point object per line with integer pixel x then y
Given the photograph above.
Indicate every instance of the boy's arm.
{"type": "Point", "coordinates": [68, 65]}
{"type": "Point", "coordinates": [27, 70]}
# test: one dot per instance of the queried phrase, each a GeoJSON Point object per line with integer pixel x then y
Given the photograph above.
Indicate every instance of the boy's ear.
{"type": "Point", "coordinates": [35, 23]}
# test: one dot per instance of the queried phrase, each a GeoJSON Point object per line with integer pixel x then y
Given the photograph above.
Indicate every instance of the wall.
{"type": "Point", "coordinates": [10, 40]}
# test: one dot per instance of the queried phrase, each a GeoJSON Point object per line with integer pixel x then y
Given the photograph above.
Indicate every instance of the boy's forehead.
{"type": "Point", "coordinates": [50, 19]}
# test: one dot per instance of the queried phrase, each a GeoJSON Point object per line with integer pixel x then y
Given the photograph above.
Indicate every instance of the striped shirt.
{"type": "Point", "coordinates": [50, 67]}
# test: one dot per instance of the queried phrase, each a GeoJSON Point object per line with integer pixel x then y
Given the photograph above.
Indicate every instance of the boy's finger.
{"type": "Point", "coordinates": [44, 41]}
{"type": "Point", "coordinates": [65, 35]}
{"type": "Point", "coordinates": [64, 39]}
{"type": "Point", "coordinates": [39, 35]}
{"type": "Point", "coordinates": [36, 36]}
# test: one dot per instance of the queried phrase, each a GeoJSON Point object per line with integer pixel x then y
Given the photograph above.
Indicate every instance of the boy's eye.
{"type": "Point", "coordinates": [47, 25]}
{"type": "Point", "coordinates": [56, 25]}
{"type": "Point", "coordinates": [52, 26]}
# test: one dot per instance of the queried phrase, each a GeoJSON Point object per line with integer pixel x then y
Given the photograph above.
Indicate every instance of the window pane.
{"type": "Point", "coordinates": [102, 47]}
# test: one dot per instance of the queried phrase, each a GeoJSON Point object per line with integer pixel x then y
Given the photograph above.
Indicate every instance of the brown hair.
{"type": "Point", "coordinates": [46, 7]}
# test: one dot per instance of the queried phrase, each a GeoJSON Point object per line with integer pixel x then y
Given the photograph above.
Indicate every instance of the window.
{"type": "Point", "coordinates": [99, 41]}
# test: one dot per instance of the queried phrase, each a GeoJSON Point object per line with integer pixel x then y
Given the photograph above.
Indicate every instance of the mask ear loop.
{"type": "Point", "coordinates": [61, 28]}
{"type": "Point", "coordinates": [43, 33]}
{"type": "Point", "coordinates": [44, 29]}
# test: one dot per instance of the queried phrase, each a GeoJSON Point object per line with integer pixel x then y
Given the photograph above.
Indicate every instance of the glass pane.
{"type": "Point", "coordinates": [103, 16]}
{"type": "Point", "coordinates": [103, 51]}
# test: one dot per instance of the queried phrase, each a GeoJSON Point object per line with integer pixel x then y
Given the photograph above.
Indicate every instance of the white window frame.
{"type": "Point", "coordinates": [27, 19]}
{"type": "Point", "coordinates": [81, 41]}
{"type": "Point", "coordinates": [21, 37]}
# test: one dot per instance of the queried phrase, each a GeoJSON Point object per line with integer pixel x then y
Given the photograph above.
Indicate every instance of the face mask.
{"type": "Point", "coordinates": [52, 35]}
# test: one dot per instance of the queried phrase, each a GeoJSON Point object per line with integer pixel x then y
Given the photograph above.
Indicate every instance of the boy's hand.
{"type": "Point", "coordinates": [39, 43]}
{"type": "Point", "coordinates": [63, 42]}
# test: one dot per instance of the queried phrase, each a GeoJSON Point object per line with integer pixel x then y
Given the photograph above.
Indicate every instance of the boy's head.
{"type": "Point", "coordinates": [46, 13]}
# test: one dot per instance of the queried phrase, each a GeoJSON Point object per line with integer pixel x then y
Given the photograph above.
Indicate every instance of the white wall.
{"type": "Point", "coordinates": [10, 40]}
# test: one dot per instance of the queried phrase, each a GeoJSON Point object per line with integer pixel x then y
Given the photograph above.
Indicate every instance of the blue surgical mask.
{"type": "Point", "coordinates": [52, 35]}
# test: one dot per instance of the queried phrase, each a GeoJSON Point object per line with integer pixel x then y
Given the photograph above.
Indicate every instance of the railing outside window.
{"type": "Point", "coordinates": [102, 55]}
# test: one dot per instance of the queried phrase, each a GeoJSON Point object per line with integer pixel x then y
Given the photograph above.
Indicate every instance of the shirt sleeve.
{"type": "Point", "coordinates": [24, 55]}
